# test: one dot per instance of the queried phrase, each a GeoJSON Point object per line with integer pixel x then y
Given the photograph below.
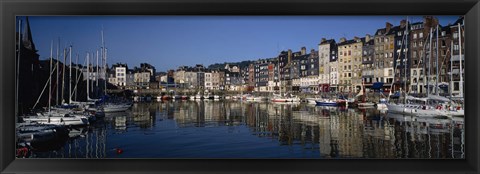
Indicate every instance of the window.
{"type": "Point", "coordinates": [349, 52]}
{"type": "Point", "coordinates": [415, 35]}
{"type": "Point", "coordinates": [455, 35]}
{"type": "Point", "coordinates": [420, 35]}
{"type": "Point", "coordinates": [444, 33]}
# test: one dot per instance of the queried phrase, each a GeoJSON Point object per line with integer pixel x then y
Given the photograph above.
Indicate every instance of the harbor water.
{"type": "Point", "coordinates": [240, 129]}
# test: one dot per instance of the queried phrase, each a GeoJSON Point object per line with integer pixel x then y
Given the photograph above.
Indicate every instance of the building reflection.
{"type": "Point", "coordinates": [330, 132]}
{"type": "Point", "coordinates": [333, 132]}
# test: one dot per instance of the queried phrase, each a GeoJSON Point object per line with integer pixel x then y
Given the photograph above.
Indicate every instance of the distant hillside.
{"type": "Point", "coordinates": [222, 65]}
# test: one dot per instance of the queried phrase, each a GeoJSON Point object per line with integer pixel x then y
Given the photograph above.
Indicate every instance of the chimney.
{"type": "Point", "coordinates": [304, 51]}
{"type": "Point", "coordinates": [403, 23]}
{"type": "Point", "coordinates": [388, 26]}
{"type": "Point", "coordinates": [289, 56]}
{"type": "Point", "coordinates": [323, 40]}
{"type": "Point", "coordinates": [312, 51]}
{"type": "Point", "coordinates": [367, 38]}
{"type": "Point", "coordinates": [343, 39]}
{"type": "Point", "coordinates": [356, 38]}
{"type": "Point", "coordinates": [429, 21]}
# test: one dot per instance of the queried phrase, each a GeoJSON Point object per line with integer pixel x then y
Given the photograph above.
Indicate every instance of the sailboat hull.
{"type": "Point", "coordinates": [415, 110]}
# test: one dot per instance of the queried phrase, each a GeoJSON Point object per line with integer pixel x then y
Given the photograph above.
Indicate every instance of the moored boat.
{"type": "Point", "coordinates": [326, 102]}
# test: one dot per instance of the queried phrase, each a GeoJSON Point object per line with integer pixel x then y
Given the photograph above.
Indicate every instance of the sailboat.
{"type": "Point", "coordinates": [413, 105]}
{"type": "Point", "coordinates": [284, 97]}
{"type": "Point", "coordinates": [54, 116]}
{"type": "Point", "coordinates": [109, 107]}
{"type": "Point", "coordinates": [364, 103]}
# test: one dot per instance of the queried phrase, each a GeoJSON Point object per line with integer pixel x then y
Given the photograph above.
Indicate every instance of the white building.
{"type": "Point", "coordinates": [120, 71]}
{"type": "Point", "coordinates": [208, 81]}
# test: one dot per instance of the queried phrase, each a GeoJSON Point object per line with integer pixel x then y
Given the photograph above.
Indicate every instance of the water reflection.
{"type": "Point", "coordinates": [231, 129]}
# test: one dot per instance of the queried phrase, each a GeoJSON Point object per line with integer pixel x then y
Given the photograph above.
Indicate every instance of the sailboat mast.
{"type": "Point", "coordinates": [436, 63]}
{"type": "Point", "coordinates": [278, 71]}
{"type": "Point", "coordinates": [50, 86]}
{"type": "Point", "coordinates": [106, 71]}
{"type": "Point", "coordinates": [88, 75]}
{"type": "Point", "coordinates": [76, 76]}
{"type": "Point", "coordinates": [70, 77]}
{"type": "Point", "coordinates": [451, 68]}
{"type": "Point", "coordinates": [405, 56]}
{"type": "Point", "coordinates": [104, 59]}
{"type": "Point", "coordinates": [58, 67]}
{"type": "Point", "coordinates": [91, 70]}
{"type": "Point", "coordinates": [96, 75]}
{"type": "Point", "coordinates": [63, 74]}
{"type": "Point", "coordinates": [18, 66]}
{"type": "Point", "coordinates": [429, 61]}
{"type": "Point", "coordinates": [460, 57]}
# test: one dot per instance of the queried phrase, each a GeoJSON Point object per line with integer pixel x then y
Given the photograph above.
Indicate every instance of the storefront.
{"type": "Point", "coordinates": [324, 87]}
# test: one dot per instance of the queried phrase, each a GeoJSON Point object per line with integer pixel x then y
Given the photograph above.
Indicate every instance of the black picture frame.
{"type": "Point", "coordinates": [10, 9]}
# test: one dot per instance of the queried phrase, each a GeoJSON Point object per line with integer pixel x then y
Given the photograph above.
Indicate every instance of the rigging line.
{"type": "Point", "coordinates": [41, 94]}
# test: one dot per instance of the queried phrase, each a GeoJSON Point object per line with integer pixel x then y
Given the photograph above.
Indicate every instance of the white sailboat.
{"type": "Point", "coordinates": [364, 103]}
{"type": "Point", "coordinates": [54, 116]}
{"type": "Point", "coordinates": [413, 105]}
{"type": "Point", "coordinates": [109, 107]}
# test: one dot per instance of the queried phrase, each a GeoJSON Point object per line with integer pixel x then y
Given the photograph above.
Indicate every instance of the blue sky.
{"type": "Point", "coordinates": [167, 42]}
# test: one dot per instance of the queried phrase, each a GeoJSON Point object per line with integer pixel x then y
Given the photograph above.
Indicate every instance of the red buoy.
{"type": "Point", "coordinates": [119, 151]}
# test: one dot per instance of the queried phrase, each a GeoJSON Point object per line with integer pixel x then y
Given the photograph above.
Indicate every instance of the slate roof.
{"type": "Point", "coordinates": [329, 41]}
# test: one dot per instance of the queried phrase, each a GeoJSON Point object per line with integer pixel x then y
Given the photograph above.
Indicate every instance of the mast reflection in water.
{"type": "Point", "coordinates": [231, 129]}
